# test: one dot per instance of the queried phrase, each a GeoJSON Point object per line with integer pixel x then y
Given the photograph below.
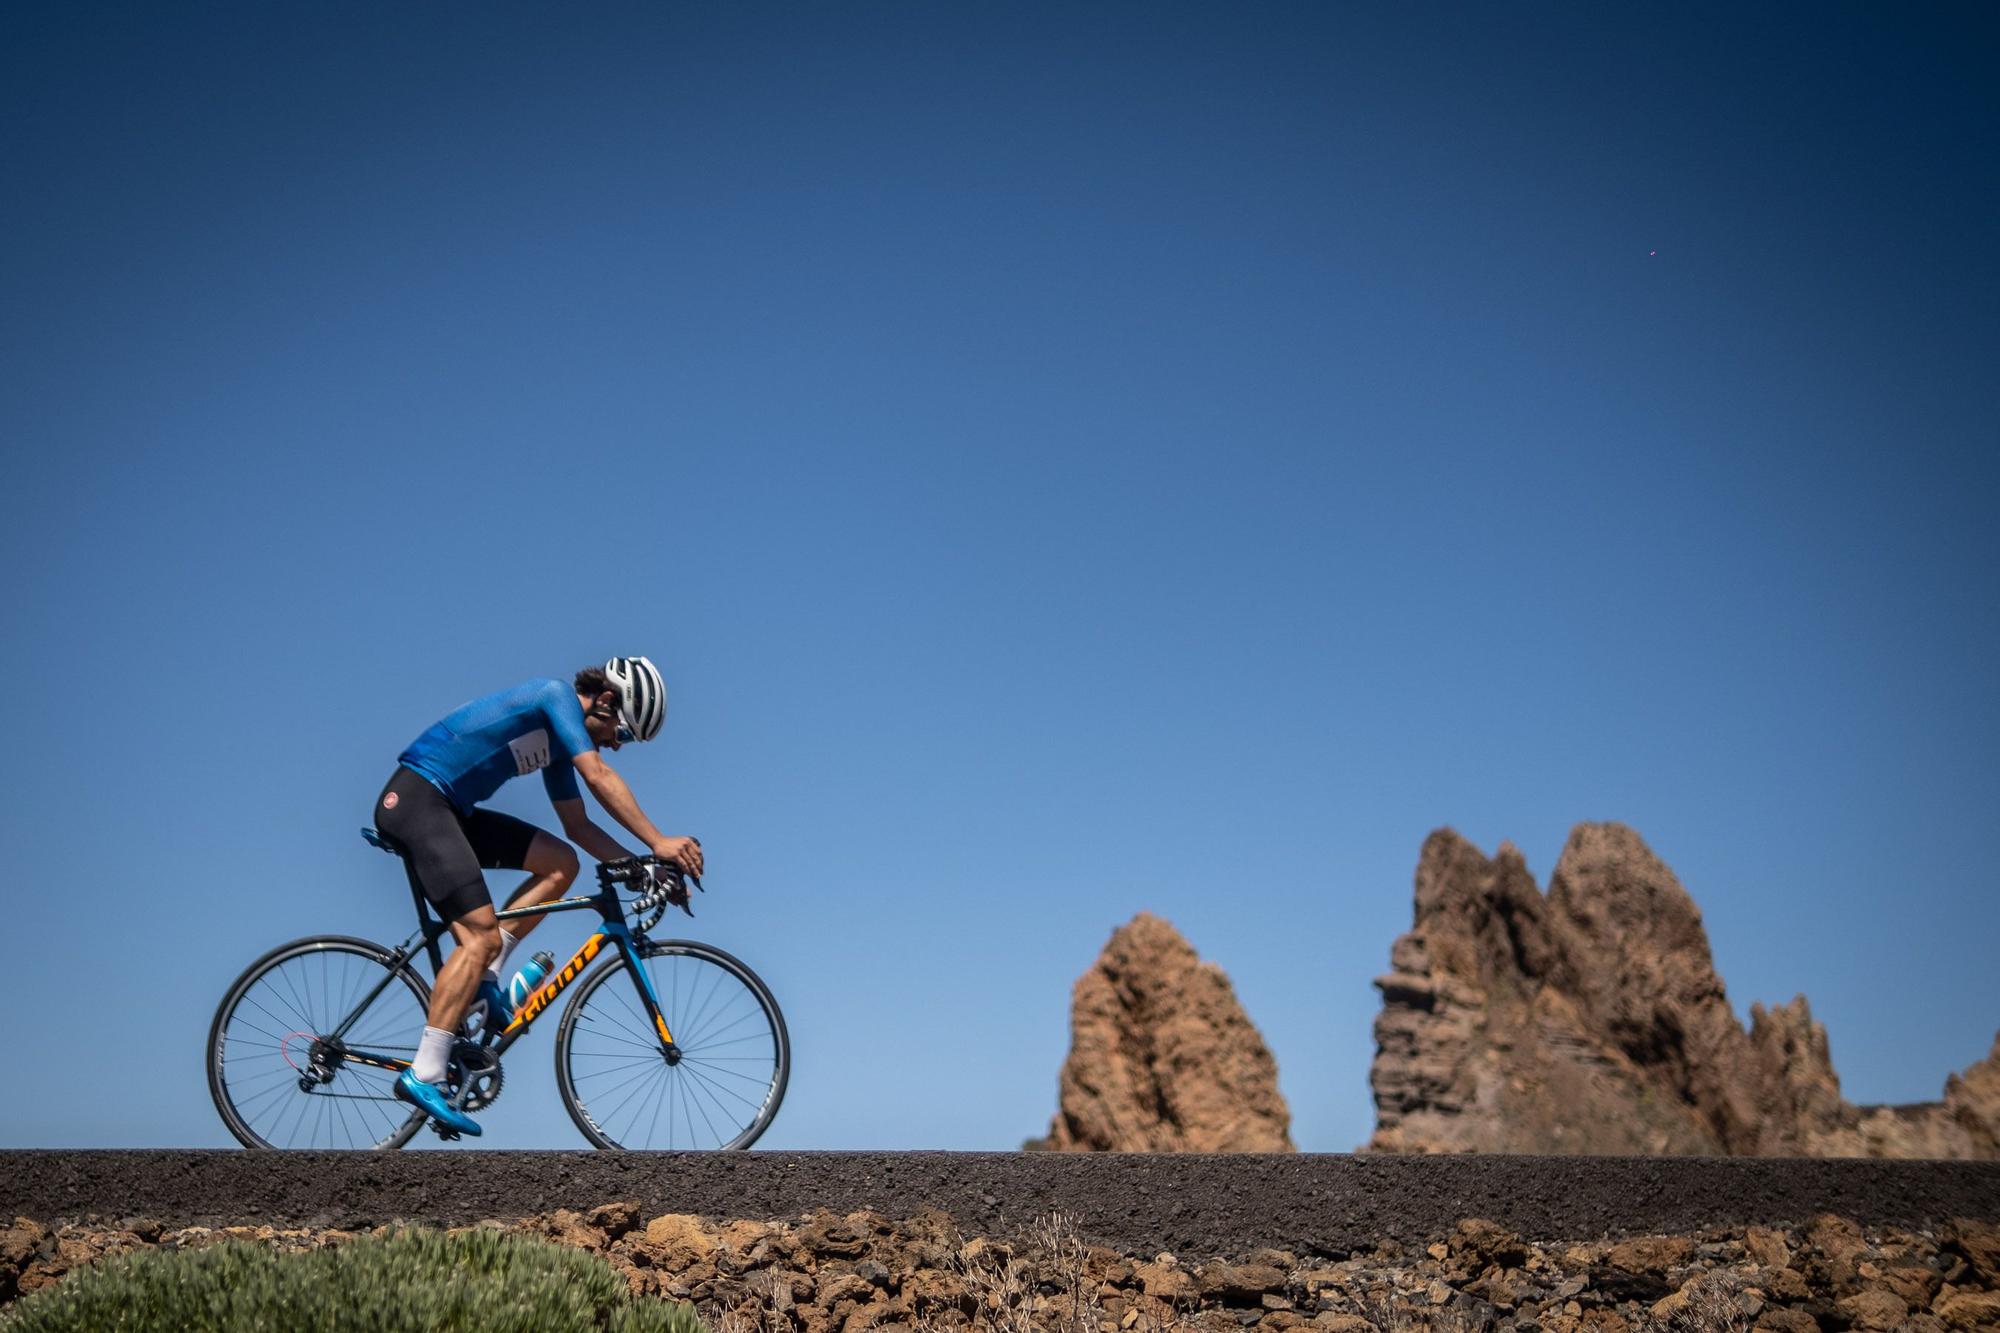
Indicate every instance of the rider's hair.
{"type": "Point", "coordinates": [591, 682]}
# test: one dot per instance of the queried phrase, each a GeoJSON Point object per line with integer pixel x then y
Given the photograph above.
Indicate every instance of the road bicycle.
{"type": "Point", "coordinates": [308, 1043]}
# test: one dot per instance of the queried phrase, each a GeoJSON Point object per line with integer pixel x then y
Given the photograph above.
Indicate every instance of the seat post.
{"type": "Point", "coordinates": [433, 928]}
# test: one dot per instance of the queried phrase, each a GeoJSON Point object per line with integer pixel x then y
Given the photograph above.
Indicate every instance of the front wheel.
{"type": "Point", "coordinates": [720, 1084]}
{"type": "Point", "coordinates": [279, 1075]}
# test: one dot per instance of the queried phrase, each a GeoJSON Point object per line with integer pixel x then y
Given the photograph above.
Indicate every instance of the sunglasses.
{"type": "Point", "coordinates": [625, 734]}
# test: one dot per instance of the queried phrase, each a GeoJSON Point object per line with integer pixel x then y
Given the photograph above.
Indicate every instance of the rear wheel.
{"type": "Point", "coordinates": [719, 1086]}
{"type": "Point", "coordinates": [277, 1077]}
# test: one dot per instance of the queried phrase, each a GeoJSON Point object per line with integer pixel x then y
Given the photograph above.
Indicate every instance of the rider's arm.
{"type": "Point", "coordinates": [565, 717]}
{"type": "Point", "coordinates": [580, 829]}
{"type": "Point", "coordinates": [612, 793]}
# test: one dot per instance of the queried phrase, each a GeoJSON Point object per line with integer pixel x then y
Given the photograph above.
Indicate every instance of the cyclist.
{"type": "Point", "coordinates": [431, 806]}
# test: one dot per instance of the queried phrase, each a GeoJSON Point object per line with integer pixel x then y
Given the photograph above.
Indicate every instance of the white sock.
{"type": "Point", "coordinates": [507, 943]}
{"type": "Point", "coordinates": [432, 1053]}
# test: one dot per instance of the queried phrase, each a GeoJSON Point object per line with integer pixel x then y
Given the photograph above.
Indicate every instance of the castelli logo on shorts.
{"type": "Point", "coordinates": [389, 801]}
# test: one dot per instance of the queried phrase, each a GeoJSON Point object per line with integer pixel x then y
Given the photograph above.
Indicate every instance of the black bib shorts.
{"type": "Point", "coordinates": [447, 848]}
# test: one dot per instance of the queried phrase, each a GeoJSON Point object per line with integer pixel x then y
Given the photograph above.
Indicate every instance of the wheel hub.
{"type": "Point", "coordinates": [321, 1060]}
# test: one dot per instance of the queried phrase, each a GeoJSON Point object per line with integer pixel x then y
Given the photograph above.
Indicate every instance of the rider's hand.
{"type": "Point", "coordinates": [683, 852]}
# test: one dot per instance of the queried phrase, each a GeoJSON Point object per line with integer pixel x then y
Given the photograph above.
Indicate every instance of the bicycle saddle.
{"type": "Point", "coordinates": [377, 838]}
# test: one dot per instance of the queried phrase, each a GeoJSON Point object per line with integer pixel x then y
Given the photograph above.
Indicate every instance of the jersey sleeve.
{"type": "Point", "coordinates": [560, 781]}
{"type": "Point", "coordinates": [565, 719]}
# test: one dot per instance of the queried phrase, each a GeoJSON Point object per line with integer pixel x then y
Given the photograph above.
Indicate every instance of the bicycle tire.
{"type": "Point", "coordinates": [293, 996]}
{"type": "Point", "coordinates": [719, 1000]}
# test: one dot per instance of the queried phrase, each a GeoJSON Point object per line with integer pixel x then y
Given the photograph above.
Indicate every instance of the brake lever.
{"type": "Point", "coordinates": [680, 898]}
{"type": "Point", "coordinates": [675, 875]}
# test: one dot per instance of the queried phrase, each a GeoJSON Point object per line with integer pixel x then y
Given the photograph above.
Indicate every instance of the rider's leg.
{"type": "Point", "coordinates": [478, 936]}
{"type": "Point", "coordinates": [552, 867]}
{"type": "Point", "coordinates": [438, 841]}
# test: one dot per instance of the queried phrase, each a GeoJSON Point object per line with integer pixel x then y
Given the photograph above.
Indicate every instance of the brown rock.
{"type": "Point", "coordinates": [568, 1228]}
{"type": "Point", "coordinates": [1162, 1057]}
{"type": "Point", "coordinates": [1839, 1252]}
{"type": "Point", "coordinates": [1479, 1242]}
{"type": "Point", "coordinates": [1767, 1247]}
{"type": "Point", "coordinates": [20, 1241]}
{"type": "Point", "coordinates": [1784, 1284]}
{"type": "Point", "coordinates": [1501, 1287]}
{"type": "Point", "coordinates": [1874, 1311]}
{"type": "Point", "coordinates": [1979, 1244]}
{"type": "Point", "coordinates": [614, 1219]}
{"type": "Point", "coordinates": [1319, 1283]}
{"type": "Point", "coordinates": [1342, 1323]}
{"type": "Point", "coordinates": [1591, 1019]}
{"type": "Point", "coordinates": [1914, 1283]}
{"type": "Point", "coordinates": [1167, 1282]}
{"type": "Point", "coordinates": [844, 1287]}
{"type": "Point", "coordinates": [830, 1237]}
{"type": "Point", "coordinates": [1786, 1321]}
{"type": "Point", "coordinates": [1836, 1237]}
{"type": "Point", "coordinates": [870, 1315]}
{"type": "Point", "coordinates": [742, 1238]}
{"type": "Point", "coordinates": [1978, 1310]}
{"type": "Point", "coordinates": [1669, 1307]}
{"type": "Point", "coordinates": [677, 1243]}
{"type": "Point", "coordinates": [1237, 1284]}
{"type": "Point", "coordinates": [930, 1291]}
{"type": "Point", "coordinates": [1651, 1254]}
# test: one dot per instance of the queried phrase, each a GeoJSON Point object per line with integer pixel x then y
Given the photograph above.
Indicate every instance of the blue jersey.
{"type": "Point", "coordinates": [478, 746]}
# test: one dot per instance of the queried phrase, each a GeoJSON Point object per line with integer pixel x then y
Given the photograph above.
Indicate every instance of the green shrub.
{"type": "Point", "coordinates": [485, 1281]}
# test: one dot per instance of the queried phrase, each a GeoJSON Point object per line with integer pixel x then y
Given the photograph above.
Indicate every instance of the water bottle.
{"type": "Point", "coordinates": [528, 978]}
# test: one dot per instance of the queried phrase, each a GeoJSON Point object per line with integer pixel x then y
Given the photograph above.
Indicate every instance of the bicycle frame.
{"type": "Point", "coordinates": [614, 929]}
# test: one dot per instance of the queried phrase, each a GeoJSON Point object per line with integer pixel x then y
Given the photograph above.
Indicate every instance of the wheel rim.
{"type": "Point", "coordinates": [266, 1035]}
{"type": "Point", "coordinates": [732, 1065]}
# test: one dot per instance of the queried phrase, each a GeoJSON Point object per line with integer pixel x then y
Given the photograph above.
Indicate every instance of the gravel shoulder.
{"type": "Point", "coordinates": [1223, 1204]}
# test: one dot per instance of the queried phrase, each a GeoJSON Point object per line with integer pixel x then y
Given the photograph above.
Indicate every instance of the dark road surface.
{"type": "Point", "coordinates": [1187, 1203]}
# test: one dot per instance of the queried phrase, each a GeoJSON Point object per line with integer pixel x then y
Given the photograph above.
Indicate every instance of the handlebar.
{"type": "Point", "coordinates": [664, 881]}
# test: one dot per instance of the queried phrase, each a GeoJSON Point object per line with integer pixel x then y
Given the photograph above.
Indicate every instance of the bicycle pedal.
{"type": "Point", "coordinates": [444, 1132]}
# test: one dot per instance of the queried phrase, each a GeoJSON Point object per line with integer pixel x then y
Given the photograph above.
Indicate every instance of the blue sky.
{"type": "Point", "coordinates": [1068, 460]}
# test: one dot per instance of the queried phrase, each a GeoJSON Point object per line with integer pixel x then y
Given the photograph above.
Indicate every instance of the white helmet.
{"type": "Point", "coordinates": [642, 695]}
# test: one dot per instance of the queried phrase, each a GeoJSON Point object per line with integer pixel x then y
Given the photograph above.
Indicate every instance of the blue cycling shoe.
{"type": "Point", "coordinates": [429, 1098]}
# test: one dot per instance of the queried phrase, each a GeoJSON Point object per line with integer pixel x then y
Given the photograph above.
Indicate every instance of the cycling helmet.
{"type": "Point", "coordinates": [642, 695]}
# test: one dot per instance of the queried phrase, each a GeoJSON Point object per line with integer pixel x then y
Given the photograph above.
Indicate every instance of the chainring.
{"type": "Point", "coordinates": [485, 1089]}
{"type": "Point", "coordinates": [476, 1071]}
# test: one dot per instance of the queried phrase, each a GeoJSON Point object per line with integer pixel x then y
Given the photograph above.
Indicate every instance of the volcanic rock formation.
{"type": "Point", "coordinates": [1591, 1020]}
{"type": "Point", "coordinates": [1162, 1057]}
